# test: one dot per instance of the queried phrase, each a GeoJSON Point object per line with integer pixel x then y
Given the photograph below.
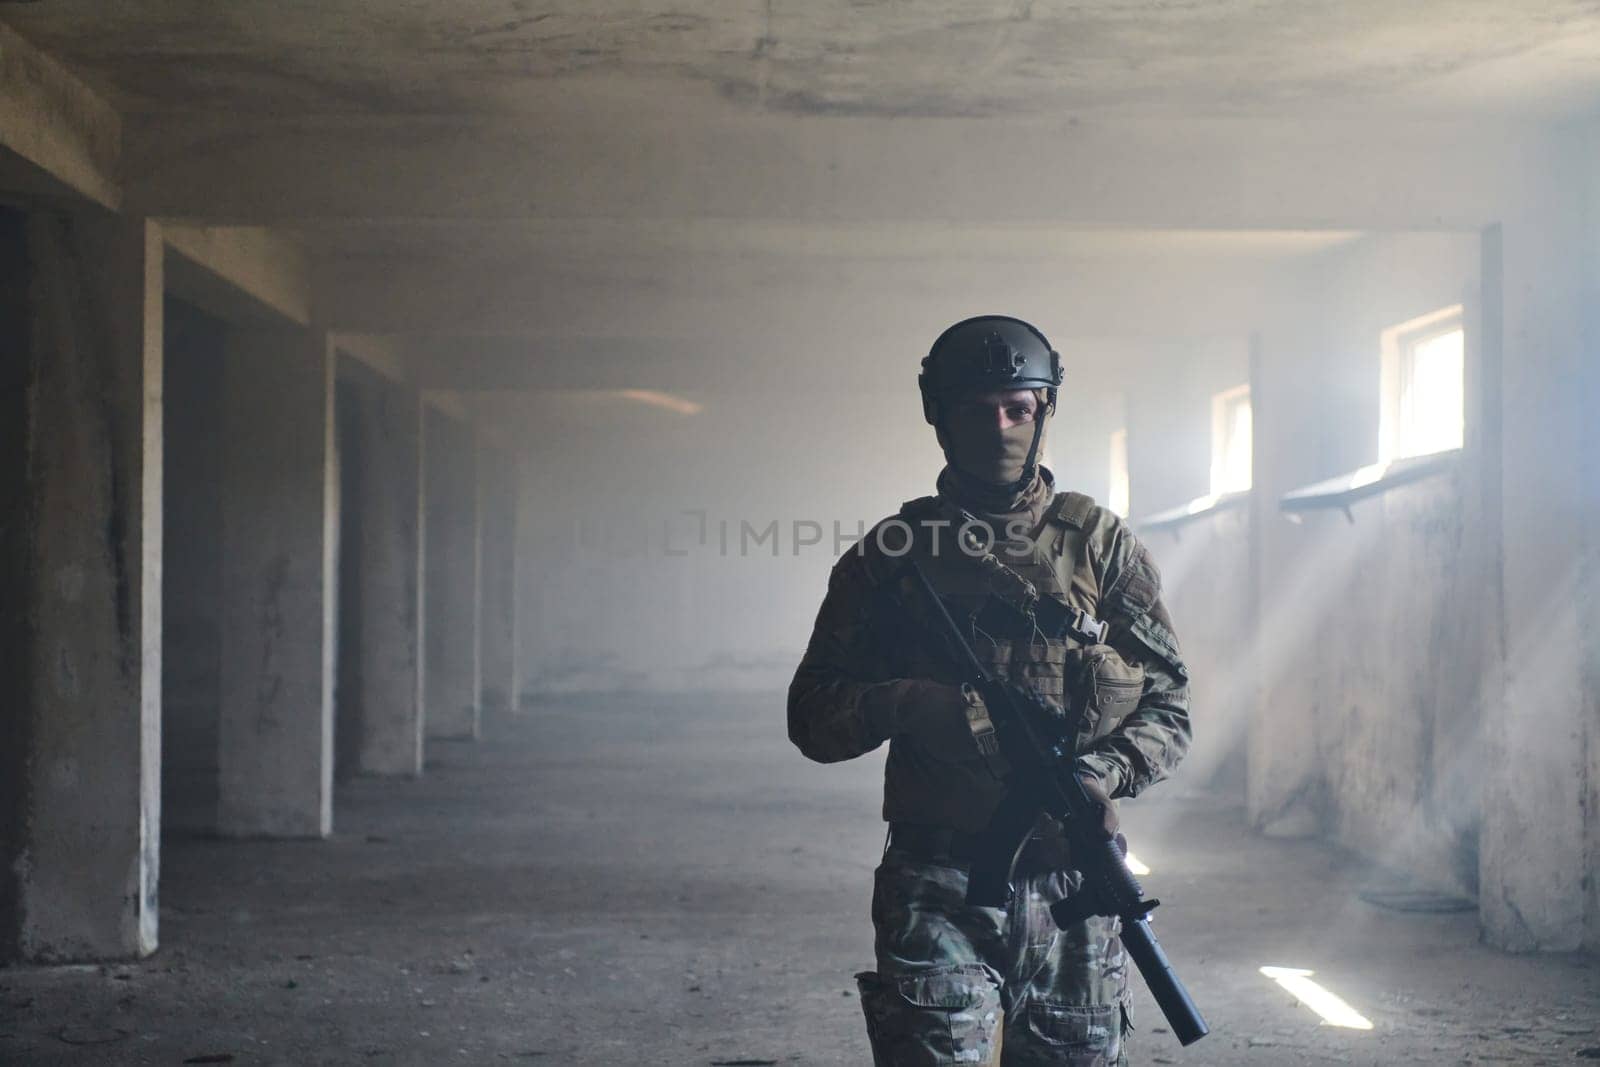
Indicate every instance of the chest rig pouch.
{"type": "Point", "coordinates": [1030, 610]}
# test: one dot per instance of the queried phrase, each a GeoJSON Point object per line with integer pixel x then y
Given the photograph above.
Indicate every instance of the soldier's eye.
{"type": "Point", "coordinates": [1020, 414]}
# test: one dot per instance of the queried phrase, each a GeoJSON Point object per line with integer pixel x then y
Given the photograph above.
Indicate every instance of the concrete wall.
{"type": "Point", "coordinates": [1206, 572]}
{"type": "Point", "coordinates": [1079, 445]}
{"type": "Point", "coordinates": [1395, 692]}
{"type": "Point", "coordinates": [1160, 392]}
{"type": "Point", "coordinates": [619, 589]}
{"type": "Point", "coordinates": [1422, 676]}
{"type": "Point", "coordinates": [1332, 651]}
{"type": "Point", "coordinates": [1358, 657]}
{"type": "Point", "coordinates": [1393, 681]}
{"type": "Point", "coordinates": [623, 587]}
{"type": "Point", "coordinates": [1169, 391]}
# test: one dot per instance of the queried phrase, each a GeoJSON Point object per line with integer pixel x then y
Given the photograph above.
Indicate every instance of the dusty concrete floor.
{"type": "Point", "coordinates": [666, 881]}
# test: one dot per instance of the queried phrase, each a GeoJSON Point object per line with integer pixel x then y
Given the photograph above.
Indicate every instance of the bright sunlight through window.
{"type": "Point", "coordinates": [1332, 1008]}
{"type": "Point", "coordinates": [1423, 394]}
{"type": "Point", "coordinates": [1119, 496]}
{"type": "Point", "coordinates": [1230, 441]}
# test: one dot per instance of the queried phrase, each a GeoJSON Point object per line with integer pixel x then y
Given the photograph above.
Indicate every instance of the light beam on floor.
{"type": "Point", "coordinates": [1329, 1005]}
{"type": "Point", "coordinates": [1136, 866]}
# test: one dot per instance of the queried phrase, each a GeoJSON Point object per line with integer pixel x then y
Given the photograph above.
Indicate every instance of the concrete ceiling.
{"type": "Point", "coordinates": [866, 57]}
{"type": "Point", "coordinates": [577, 193]}
{"type": "Point", "coordinates": [759, 285]}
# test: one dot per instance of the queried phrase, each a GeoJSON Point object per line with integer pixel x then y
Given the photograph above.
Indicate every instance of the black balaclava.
{"type": "Point", "coordinates": [990, 469]}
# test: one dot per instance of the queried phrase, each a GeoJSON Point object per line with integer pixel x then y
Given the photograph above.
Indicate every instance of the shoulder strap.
{"type": "Point", "coordinates": [1072, 509]}
{"type": "Point", "coordinates": [1063, 540]}
{"type": "Point", "coordinates": [910, 514]}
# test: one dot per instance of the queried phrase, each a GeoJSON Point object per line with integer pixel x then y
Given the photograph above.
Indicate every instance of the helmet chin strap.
{"type": "Point", "coordinates": [1030, 466]}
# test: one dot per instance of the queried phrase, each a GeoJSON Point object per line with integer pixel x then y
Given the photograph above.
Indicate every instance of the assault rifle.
{"type": "Point", "coordinates": [1042, 779]}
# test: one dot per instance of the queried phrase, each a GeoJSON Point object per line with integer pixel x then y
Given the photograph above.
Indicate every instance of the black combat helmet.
{"type": "Point", "coordinates": [986, 354]}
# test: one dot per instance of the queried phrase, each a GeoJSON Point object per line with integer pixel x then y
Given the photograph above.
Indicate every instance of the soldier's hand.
{"type": "Point", "coordinates": [1097, 793]}
{"type": "Point", "coordinates": [935, 714]}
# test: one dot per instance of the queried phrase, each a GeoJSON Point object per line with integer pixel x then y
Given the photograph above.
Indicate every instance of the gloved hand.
{"type": "Point", "coordinates": [1108, 813]}
{"type": "Point", "coordinates": [935, 714]}
{"type": "Point", "coordinates": [1043, 722]}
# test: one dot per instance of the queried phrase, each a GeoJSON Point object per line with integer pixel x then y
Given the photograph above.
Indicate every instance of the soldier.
{"type": "Point", "coordinates": [957, 984]}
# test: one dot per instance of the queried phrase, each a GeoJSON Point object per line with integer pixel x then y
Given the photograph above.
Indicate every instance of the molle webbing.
{"type": "Point", "coordinates": [1048, 617]}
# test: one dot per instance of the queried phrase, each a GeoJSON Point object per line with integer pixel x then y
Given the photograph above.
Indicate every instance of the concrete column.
{"type": "Point", "coordinates": [1540, 722]}
{"type": "Point", "coordinates": [389, 631]}
{"type": "Point", "coordinates": [80, 581]}
{"type": "Point", "coordinates": [192, 568]}
{"type": "Point", "coordinates": [1589, 488]}
{"type": "Point", "coordinates": [452, 577]}
{"type": "Point", "coordinates": [279, 533]}
{"type": "Point", "coordinates": [499, 484]}
{"type": "Point", "coordinates": [533, 546]}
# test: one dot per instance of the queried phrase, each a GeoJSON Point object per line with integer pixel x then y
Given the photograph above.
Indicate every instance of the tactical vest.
{"type": "Point", "coordinates": [1057, 648]}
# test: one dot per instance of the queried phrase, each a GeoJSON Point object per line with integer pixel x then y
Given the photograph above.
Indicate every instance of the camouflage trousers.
{"type": "Point", "coordinates": [963, 985]}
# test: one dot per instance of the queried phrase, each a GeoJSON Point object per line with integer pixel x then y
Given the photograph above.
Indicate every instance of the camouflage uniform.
{"type": "Point", "coordinates": [956, 984]}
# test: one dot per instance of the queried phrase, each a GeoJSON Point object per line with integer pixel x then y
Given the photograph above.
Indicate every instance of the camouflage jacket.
{"type": "Point", "coordinates": [865, 667]}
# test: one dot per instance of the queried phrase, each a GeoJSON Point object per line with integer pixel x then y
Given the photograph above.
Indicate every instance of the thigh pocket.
{"type": "Point", "coordinates": [921, 919]}
{"type": "Point", "coordinates": [1078, 1035]}
{"type": "Point", "coordinates": [947, 1015]}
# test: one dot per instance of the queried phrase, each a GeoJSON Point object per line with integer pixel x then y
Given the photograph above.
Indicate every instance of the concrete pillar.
{"type": "Point", "coordinates": [1540, 722]}
{"type": "Point", "coordinates": [452, 577]}
{"type": "Point", "coordinates": [279, 532]}
{"type": "Point", "coordinates": [191, 625]}
{"type": "Point", "coordinates": [389, 631]}
{"type": "Point", "coordinates": [539, 555]}
{"type": "Point", "coordinates": [499, 485]}
{"type": "Point", "coordinates": [1589, 488]}
{"type": "Point", "coordinates": [80, 585]}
